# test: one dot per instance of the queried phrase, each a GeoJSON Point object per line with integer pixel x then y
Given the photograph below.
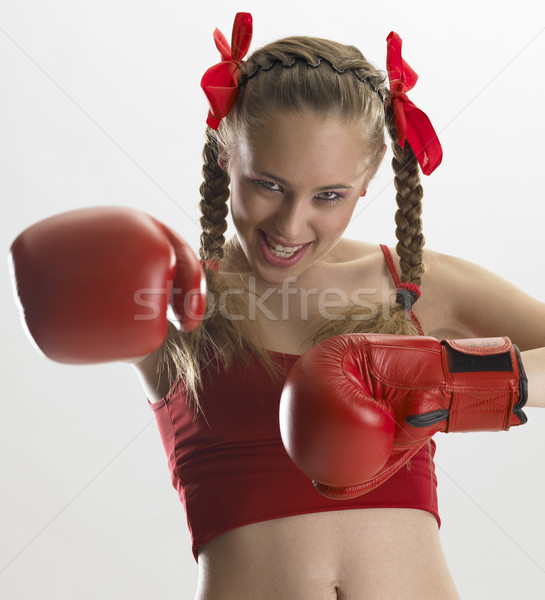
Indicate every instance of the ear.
{"type": "Point", "coordinates": [223, 163]}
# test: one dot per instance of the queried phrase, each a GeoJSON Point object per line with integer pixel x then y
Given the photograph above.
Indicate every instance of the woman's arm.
{"type": "Point", "coordinates": [534, 365]}
{"type": "Point", "coordinates": [473, 302]}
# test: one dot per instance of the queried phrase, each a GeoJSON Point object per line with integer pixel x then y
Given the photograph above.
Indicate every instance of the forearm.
{"type": "Point", "coordinates": [534, 365]}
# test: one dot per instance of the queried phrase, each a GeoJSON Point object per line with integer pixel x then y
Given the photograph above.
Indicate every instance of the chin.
{"type": "Point", "coordinates": [276, 277]}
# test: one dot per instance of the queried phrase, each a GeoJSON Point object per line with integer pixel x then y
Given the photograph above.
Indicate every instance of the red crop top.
{"type": "Point", "coordinates": [230, 467]}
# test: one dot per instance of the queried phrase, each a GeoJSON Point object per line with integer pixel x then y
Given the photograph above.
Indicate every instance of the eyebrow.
{"type": "Point", "coordinates": [336, 186]}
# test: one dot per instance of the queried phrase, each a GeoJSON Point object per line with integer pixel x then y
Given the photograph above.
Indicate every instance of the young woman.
{"type": "Point", "coordinates": [294, 136]}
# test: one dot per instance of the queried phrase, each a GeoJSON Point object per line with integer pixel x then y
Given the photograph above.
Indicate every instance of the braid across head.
{"type": "Point", "coordinates": [301, 73]}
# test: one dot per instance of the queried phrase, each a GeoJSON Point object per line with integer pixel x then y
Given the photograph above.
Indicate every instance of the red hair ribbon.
{"type": "Point", "coordinates": [220, 82]}
{"type": "Point", "coordinates": [412, 124]}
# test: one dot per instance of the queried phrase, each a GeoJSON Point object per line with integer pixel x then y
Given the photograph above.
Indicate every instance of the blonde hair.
{"type": "Point", "coordinates": [295, 74]}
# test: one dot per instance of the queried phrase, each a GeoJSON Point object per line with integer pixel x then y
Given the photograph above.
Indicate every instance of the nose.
{"type": "Point", "coordinates": [291, 219]}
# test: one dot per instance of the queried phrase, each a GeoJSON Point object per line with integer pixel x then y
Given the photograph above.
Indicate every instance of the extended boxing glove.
{"type": "Point", "coordinates": [94, 284]}
{"type": "Point", "coordinates": [355, 408]}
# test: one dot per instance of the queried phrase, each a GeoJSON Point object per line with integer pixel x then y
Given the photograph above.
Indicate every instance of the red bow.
{"type": "Point", "coordinates": [220, 82]}
{"type": "Point", "coordinates": [412, 124]}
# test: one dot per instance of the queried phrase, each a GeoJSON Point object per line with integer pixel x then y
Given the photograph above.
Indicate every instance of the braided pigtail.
{"type": "Point", "coordinates": [214, 195]}
{"type": "Point", "coordinates": [409, 201]}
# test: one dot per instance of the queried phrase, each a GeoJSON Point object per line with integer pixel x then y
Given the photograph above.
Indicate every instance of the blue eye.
{"type": "Point", "coordinates": [269, 185]}
{"type": "Point", "coordinates": [330, 197]}
{"type": "Point", "coordinates": [327, 198]}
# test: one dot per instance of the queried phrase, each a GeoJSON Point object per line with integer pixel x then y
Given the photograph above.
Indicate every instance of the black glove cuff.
{"type": "Point", "coordinates": [523, 387]}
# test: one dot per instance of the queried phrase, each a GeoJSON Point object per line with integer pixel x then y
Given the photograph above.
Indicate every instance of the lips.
{"type": "Point", "coordinates": [278, 254]}
{"type": "Point", "coordinates": [281, 249]}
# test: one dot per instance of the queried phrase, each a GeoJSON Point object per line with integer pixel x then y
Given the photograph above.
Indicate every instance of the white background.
{"type": "Point", "coordinates": [100, 104]}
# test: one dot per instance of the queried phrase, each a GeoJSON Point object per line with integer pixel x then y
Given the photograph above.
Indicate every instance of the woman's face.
{"type": "Point", "coordinates": [294, 188]}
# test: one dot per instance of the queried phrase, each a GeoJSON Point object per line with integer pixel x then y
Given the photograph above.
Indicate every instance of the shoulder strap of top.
{"type": "Point", "coordinates": [397, 281]}
{"type": "Point", "coordinates": [391, 266]}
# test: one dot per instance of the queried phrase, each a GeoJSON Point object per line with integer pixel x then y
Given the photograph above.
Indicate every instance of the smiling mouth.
{"type": "Point", "coordinates": [279, 250]}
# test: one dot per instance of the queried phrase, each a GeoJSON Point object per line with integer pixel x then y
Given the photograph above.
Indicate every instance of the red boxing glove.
{"type": "Point", "coordinates": [94, 284]}
{"type": "Point", "coordinates": [355, 408]}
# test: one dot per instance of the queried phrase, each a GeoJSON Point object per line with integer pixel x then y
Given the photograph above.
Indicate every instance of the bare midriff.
{"type": "Point", "coordinates": [350, 554]}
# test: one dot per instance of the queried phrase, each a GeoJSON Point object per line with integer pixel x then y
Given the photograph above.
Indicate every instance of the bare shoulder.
{"type": "Point", "coordinates": [480, 303]}
{"type": "Point", "coordinates": [460, 298]}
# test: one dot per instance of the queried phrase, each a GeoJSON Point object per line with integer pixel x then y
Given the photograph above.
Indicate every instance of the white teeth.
{"type": "Point", "coordinates": [281, 251]}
